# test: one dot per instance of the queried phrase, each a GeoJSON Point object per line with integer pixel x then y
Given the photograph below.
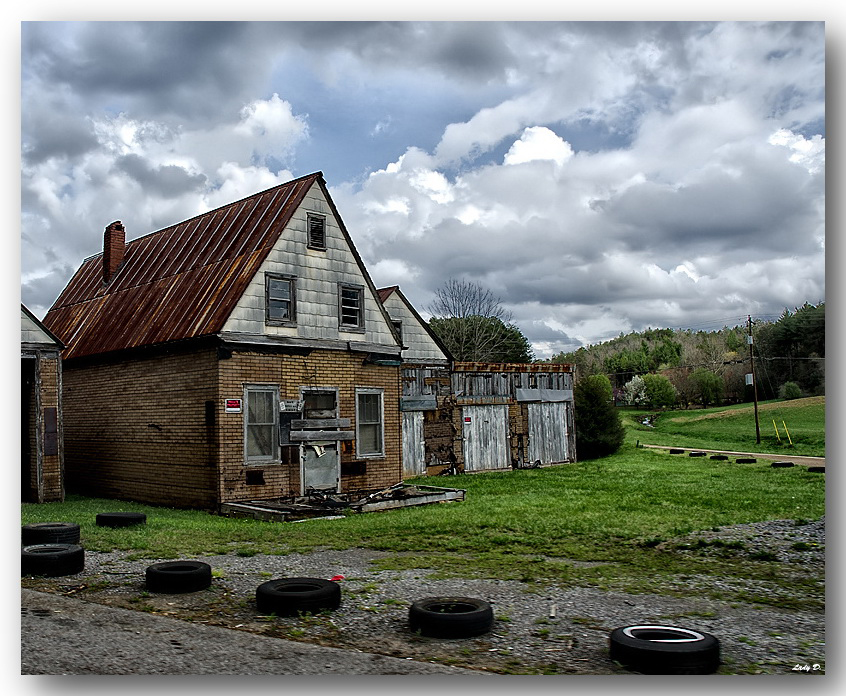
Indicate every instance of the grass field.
{"type": "Point", "coordinates": [799, 428]}
{"type": "Point", "coordinates": [596, 523]}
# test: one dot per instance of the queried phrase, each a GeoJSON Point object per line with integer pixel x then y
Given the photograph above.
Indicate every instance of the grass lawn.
{"type": "Point", "coordinates": [733, 428]}
{"type": "Point", "coordinates": [594, 523]}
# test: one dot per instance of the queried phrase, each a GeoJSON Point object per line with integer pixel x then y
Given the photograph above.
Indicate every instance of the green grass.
{"type": "Point", "coordinates": [593, 523]}
{"type": "Point", "coordinates": [733, 428]}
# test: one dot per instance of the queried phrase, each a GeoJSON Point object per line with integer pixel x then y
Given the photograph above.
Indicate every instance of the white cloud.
{"type": "Point", "coordinates": [539, 143]}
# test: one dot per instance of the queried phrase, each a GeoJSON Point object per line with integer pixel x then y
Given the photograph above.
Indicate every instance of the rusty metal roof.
{"type": "Point", "coordinates": [178, 283]}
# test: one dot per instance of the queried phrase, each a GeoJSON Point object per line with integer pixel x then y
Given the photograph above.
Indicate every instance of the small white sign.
{"type": "Point", "coordinates": [232, 405]}
{"type": "Point", "coordinates": [291, 405]}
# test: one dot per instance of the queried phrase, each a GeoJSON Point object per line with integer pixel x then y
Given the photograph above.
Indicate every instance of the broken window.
{"type": "Point", "coordinates": [281, 299]}
{"type": "Point", "coordinates": [351, 301]}
{"type": "Point", "coordinates": [260, 423]}
{"type": "Point", "coordinates": [320, 404]}
{"type": "Point", "coordinates": [317, 232]}
{"type": "Point", "coordinates": [369, 423]}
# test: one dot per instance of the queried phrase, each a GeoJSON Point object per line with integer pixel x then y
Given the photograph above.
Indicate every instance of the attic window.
{"type": "Point", "coordinates": [351, 307]}
{"type": "Point", "coordinates": [280, 299]}
{"type": "Point", "coordinates": [317, 232]}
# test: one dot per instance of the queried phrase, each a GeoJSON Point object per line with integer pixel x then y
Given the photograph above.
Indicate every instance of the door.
{"type": "Point", "coordinates": [486, 438]}
{"type": "Point", "coordinates": [548, 432]}
{"type": "Point", "coordinates": [413, 444]}
{"type": "Point", "coordinates": [321, 467]}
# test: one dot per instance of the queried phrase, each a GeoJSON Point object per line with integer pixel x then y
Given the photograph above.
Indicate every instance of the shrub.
{"type": "Point", "coordinates": [660, 392]}
{"type": "Point", "coordinates": [634, 391]}
{"type": "Point", "coordinates": [789, 390]}
{"type": "Point", "coordinates": [599, 430]}
{"type": "Point", "coordinates": [707, 387]}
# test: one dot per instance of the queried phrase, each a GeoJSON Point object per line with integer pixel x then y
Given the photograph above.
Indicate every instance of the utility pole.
{"type": "Point", "coordinates": [754, 381]}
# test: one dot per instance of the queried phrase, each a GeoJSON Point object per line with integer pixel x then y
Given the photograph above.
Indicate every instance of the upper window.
{"type": "Point", "coordinates": [261, 423]}
{"type": "Point", "coordinates": [280, 299]}
{"type": "Point", "coordinates": [317, 232]}
{"type": "Point", "coordinates": [351, 307]}
{"type": "Point", "coordinates": [369, 423]}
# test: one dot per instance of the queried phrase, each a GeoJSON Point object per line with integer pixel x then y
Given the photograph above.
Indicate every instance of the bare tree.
{"type": "Point", "coordinates": [474, 325]}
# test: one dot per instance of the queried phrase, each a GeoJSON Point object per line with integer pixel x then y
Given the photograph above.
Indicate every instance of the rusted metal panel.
{"type": "Point", "coordinates": [548, 435]}
{"type": "Point", "coordinates": [413, 445]}
{"type": "Point", "coordinates": [177, 283]}
{"type": "Point", "coordinates": [485, 438]}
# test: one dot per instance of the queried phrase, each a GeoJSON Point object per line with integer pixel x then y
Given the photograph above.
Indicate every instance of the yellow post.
{"type": "Point", "coordinates": [787, 431]}
{"type": "Point", "coordinates": [776, 429]}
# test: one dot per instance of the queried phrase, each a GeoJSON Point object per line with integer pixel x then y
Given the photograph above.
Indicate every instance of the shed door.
{"type": "Point", "coordinates": [321, 467]}
{"type": "Point", "coordinates": [413, 445]}
{"type": "Point", "coordinates": [548, 432]}
{"type": "Point", "coordinates": [486, 438]}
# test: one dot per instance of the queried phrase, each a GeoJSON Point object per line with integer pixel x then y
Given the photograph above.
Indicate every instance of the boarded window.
{"type": "Point", "coordinates": [260, 423]}
{"type": "Point", "coordinates": [351, 309]}
{"type": "Point", "coordinates": [317, 232]}
{"type": "Point", "coordinates": [368, 417]}
{"type": "Point", "coordinates": [281, 299]}
{"type": "Point", "coordinates": [320, 404]}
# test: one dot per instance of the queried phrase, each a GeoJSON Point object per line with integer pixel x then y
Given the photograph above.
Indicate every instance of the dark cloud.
{"type": "Point", "coordinates": [168, 181]}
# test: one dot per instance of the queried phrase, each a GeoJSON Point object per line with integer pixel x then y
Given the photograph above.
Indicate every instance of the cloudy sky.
{"type": "Point", "coordinates": [598, 177]}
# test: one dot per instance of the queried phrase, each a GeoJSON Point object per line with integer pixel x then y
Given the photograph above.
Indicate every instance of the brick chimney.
{"type": "Point", "coordinates": [114, 244]}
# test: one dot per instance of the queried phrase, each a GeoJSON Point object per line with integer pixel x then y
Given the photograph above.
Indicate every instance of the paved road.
{"type": "Point", "coordinates": [805, 461]}
{"type": "Point", "coordinates": [64, 635]}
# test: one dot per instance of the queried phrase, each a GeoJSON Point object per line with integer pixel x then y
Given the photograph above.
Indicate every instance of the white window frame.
{"type": "Point", "coordinates": [273, 389]}
{"type": "Point", "coordinates": [361, 391]}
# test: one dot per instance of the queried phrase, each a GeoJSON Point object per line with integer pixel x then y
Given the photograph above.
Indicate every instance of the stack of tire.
{"type": "Point", "coordinates": [51, 549]}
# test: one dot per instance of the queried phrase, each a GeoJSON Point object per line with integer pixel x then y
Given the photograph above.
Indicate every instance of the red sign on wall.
{"type": "Point", "coordinates": [232, 405]}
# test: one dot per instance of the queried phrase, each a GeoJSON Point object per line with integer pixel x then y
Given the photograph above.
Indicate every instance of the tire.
{"type": "Point", "coordinates": [651, 649]}
{"type": "Point", "coordinates": [816, 469]}
{"type": "Point", "coordinates": [676, 451]}
{"type": "Point", "coordinates": [175, 577]}
{"type": "Point", "coordinates": [719, 457]}
{"type": "Point", "coordinates": [52, 560]}
{"type": "Point", "coordinates": [696, 454]}
{"type": "Point", "coordinates": [782, 465]}
{"type": "Point", "coordinates": [120, 519]}
{"type": "Point", "coordinates": [50, 533]}
{"type": "Point", "coordinates": [746, 460]}
{"type": "Point", "coordinates": [292, 596]}
{"type": "Point", "coordinates": [450, 617]}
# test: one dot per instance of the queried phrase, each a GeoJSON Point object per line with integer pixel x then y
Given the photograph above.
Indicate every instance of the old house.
{"type": "Point", "coordinates": [42, 462]}
{"type": "Point", "coordinates": [243, 354]}
{"type": "Point", "coordinates": [468, 417]}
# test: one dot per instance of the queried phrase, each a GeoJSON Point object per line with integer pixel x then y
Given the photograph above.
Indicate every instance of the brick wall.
{"type": "Point", "coordinates": [42, 470]}
{"type": "Point", "coordinates": [136, 429]}
{"type": "Point", "coordinates": [321, 368]}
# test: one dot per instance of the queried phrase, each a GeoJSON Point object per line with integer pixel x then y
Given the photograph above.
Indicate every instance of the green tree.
{"type": "Point", "coordinates": [482, 339]}
{"type": "Point", "coordinates": [599, 430]}
{"type": "Point", "coordinates": [707, 387]}
{"type": "Point", "coordinates": [474, 326]}
{"type": "Point", "coordinates": [660, 392]}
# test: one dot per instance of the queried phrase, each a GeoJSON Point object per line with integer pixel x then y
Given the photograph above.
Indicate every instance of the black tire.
{"type": "Point", "coordinates": [52, 560]}
{"type": "Point", "coordinates": [676, 451]}
{"type": "Point", "coordinates": [50, 533]}
{"type": "Point", "coordinates": [175, 577]}
{"type": "Point", "coordinates": [292, 596]}
{"type": "Point", "coordinates": [719, 457]}
{"type": "Point", "coordinates": [816, 469]}
{"type": "Point", "coordinates": [782, 465]}
{"type": "Point", "coordinates": [696, 454]}
{"type": "Point", "coordinates": [651, 649]}
{"type": "Point", "coordinates": [120, 519]}
{"type": "Point", "coordinates": [450, 617]}
{"type": "Point", "coordinates": [746, 460]}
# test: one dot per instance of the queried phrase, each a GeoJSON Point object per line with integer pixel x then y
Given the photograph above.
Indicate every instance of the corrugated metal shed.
{"type": "Point", "coordinates": [180, 282]}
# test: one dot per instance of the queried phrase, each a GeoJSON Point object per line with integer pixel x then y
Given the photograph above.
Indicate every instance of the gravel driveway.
{"type": "Point", "coordinates": [547, 629]}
